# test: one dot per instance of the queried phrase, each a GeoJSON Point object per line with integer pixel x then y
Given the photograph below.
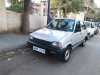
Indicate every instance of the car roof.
{"type": "Point", "coordinates": [88, 21]}
{"type": "Point", "coordinates": [65, 18]}
{"type": "Point", "coordinates": [69, 19]}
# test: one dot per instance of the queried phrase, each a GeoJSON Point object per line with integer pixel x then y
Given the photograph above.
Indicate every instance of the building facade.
{"type": "Point", "coordinates": [40, 8]}
{"type": "Point", "coordinates": [43, 7]}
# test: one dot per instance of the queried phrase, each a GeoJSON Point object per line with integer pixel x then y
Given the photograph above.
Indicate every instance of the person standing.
{"type": "Point", "coordinates": [51, 16]}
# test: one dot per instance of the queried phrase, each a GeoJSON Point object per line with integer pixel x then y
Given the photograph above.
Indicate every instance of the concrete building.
{"type": "Point", "coordinates": [36, 8]}
{"type": "Point", "coordinates": [40, 8]}
{"type": "Point", "coordinates": [89, 6]}
{"type": "Point", "coordinates": [43, 8]}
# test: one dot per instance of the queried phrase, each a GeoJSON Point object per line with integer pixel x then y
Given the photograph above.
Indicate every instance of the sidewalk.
{"type": "Point", "coordinates": [11, 41]}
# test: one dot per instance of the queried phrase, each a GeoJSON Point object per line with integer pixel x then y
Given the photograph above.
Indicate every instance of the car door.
{"type": "Point", "coordinates": [92, 29]}
{"type": "Point", "coordinates": [77, 33]}
{"type": "Point", "coordinates": [83, 30]}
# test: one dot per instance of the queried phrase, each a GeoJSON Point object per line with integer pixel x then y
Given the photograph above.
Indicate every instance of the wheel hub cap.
{"type": "Point", "coordinates": [67, 54]}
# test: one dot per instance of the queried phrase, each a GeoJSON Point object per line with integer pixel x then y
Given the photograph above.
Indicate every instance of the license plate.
{"type": "Point", "coordinates": [39, 49]}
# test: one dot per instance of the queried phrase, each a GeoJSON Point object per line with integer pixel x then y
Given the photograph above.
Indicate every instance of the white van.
{"type": "Point", "coordinates": [58, 38]}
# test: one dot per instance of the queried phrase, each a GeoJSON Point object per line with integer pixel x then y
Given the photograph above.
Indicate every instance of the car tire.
{"type": "Point", "coordinates": [92, 35]}
{"type": "Point", "coordinates": [83, 43]}
{"type": "Point", "coordinates": [66, 54]}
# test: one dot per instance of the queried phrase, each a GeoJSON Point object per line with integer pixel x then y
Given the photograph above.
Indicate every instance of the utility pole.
{"type": "Point", "coordinates": [48, 11]}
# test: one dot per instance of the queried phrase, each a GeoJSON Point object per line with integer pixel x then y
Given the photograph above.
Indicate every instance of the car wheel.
{"type": "Point", "coordinates": [92, 35]}
{"type": "Point", "coordinates": [83, 43]}
{"type": "Point", "coordinates": [66, 54]}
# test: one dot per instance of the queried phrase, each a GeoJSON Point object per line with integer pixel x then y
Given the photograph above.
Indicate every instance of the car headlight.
{"type": "Point", "coordinates": [56, 44]}
{"type": "Point", "coordinates": [31, 37]}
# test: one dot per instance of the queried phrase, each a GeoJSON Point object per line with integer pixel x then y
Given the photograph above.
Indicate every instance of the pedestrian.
{"type": "Point", "coordinates": [51, 16]}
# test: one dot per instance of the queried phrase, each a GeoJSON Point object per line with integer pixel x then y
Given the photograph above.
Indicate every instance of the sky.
{"type": "Point", "coordinates": [97, 2]}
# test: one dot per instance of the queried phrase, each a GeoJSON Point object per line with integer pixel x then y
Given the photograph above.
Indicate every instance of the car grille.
{"type": "Point", "coordinates": [41, 42]}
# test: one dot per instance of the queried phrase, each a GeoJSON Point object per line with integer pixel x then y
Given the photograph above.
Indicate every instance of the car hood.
{"type": "Point", "coordinates": [49, 34]}
{"type": "Point", "coordinates": [89, 29]}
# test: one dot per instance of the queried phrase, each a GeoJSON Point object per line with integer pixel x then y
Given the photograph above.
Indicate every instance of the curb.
{"type": "Point", "coordinates": [14, 48]}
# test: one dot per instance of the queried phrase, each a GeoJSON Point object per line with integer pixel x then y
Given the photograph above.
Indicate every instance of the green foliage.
{"type": "Point", "coordinates": [74, 5]}
{"type": "Point", "coordinates": [93, 13]}
{"type": "Point", "coordinates": [31, 6]}
{"type": "Point", "coordinates": [97, 15]}
{"type": "Point", "coordinates": [16, 6]}
{"type": "Point", "coordinates": [98, 19]}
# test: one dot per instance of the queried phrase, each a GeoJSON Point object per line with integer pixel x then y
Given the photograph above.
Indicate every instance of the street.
{"type": "Point", "coordinates": [83, 61]}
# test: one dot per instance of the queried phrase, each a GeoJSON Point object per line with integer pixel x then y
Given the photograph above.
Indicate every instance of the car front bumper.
{"type": "Point", "coordinates": [59, 52]}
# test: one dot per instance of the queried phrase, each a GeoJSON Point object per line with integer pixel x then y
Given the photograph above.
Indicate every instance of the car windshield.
{"type": "Point", "coordinates": [87, 24]}
{"type": "Point", "coordinates": [96, 24]}
{"type": "Point", "coordinates": [62, 24]}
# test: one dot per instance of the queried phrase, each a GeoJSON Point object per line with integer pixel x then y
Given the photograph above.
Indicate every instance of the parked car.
{"type": "Point", "coordinates": [90, 28]}
{"type": "Point", "coordinates": [96, 25]}
{"type": "Point", "coordinates": [58, 38]}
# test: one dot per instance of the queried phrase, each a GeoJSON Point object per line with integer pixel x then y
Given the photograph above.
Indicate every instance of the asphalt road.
{"type": "Point", "coordinates": [83, 61]}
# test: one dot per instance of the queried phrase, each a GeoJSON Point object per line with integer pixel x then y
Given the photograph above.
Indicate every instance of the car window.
{"type": "Point", "coordinates": [62, 24]}
{"type": "Point", "coordinates": [96, 24]}
{"type": "Point", "coordinates": [78, 26]}
{"type": "Point", "coordinates": [88, 25]}
{"type": "Point", "coordinates": [83, 26]}
{"type": "Point", "coordinates": [92, 26]}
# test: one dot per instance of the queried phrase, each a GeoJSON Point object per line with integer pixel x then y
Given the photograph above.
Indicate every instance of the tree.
{"type": "Point", "coordinates": [68, 5]}
{"type": "Point", "coordinates": [66, 8]}
{"type": "Point", "coordinates": [18, 6]}
{"type": "Point", "coordinates": [25, 25]}
{"type": "Point", "coordinates": [92, 13]}
{"type": "Point", "coordinates": [96, 16]}
{"type": "Point", "coordinates": [76, 5]}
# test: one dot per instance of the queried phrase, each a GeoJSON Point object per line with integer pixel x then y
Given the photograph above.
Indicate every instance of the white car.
{"type": "Point", "coordinates": [96, 26]}
{"type": "Point", "coordinates": [90, 28]}
{"type": "Point", "coordinates": [58, 38]}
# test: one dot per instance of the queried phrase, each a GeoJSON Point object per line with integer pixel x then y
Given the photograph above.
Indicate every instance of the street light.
{"type": "Point", "coordinates": [48, 11]}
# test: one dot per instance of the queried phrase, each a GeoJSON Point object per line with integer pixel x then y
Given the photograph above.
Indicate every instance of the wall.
{"type": "Point", "coordinates": [14, 21]}
{"type": "Point", "coordinates": [37, 22]}
{"type": "Point", "coordinates": [3, 21]}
